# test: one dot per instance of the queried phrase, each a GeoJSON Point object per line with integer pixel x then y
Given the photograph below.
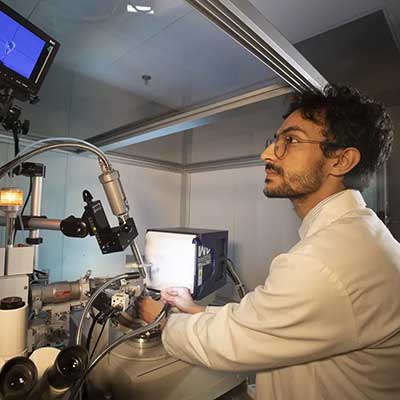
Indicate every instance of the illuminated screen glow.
{"type": "Point", "coordinates": [19, 48]}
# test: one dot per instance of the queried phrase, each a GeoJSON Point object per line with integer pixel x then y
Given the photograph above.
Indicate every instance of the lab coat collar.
{"type": "Point", "coordinates": [329, 210]}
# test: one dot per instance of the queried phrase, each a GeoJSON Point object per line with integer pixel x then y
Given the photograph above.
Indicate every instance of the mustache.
{"type": "Point", "coordinates": [273, 167]}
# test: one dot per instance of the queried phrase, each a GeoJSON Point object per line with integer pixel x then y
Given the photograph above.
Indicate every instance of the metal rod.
{"type": "Point", "coordinates": [139, 259]}
{"type": "Point", "coordinates": [104, 163]}
{"type": "Point", "coordinates": [36, 206]}
{"type": "Point", "coordinates": [38, 223]}
{"type": "Point", "coordinates": [140, 132]}
{"type": "Point", "coordinates": [10, 229]}
{"type": "Point", "coordinates": [244, 23]}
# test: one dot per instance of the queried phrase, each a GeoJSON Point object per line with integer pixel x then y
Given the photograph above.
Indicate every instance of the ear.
{"type": "Point", "coordinates": [344, 161]}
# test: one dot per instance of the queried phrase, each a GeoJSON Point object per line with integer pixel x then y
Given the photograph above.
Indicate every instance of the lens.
{"type": "Point", "coordinates": [72, 361]}
{"type": "Point", "coordinates": [18, 377]}
{"type": "Point", "coordinates": [70, 365]}
{"type": "Point", "coordinates": [280, 146]}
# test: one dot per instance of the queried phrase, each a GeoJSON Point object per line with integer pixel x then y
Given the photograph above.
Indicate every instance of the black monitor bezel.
{"type": "Point", "coordinates": [28, 86]}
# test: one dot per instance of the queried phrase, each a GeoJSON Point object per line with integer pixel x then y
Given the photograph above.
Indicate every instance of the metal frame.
{"type": "Point", "coordinates": [238, 162]}
{"type": "Point", "coordinates": [151, 129]}
{"type": "Point", "coordinates": [245, 24]}
{"type": "Point", "coordinates": [113, 157]}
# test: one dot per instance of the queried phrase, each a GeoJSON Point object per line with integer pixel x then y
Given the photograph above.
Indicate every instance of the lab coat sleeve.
{"type": "Point", "coordinates": [302, 313]}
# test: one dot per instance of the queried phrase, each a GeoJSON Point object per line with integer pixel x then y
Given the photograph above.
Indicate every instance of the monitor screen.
{"type": "Point", "coordinates": [26, 53]}
{"type": "Point", "coordinates": [20, 48]}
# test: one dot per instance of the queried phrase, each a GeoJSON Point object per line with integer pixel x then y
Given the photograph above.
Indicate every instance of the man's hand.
{"type": "Point", "coordinates": [149, 308]}
{"type": "Point", "coordinates": [180, 298]}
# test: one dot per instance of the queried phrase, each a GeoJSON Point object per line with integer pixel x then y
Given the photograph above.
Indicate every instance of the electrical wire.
{"type": "Point", "coordinates": [86, 310]}
{"type": "Point", "coordinates": [235, 278]}
{"type": "Point", "coordinates": [98, 338]}
{"type": "Point", "coordinates": [25, 204]}
{"type": "Point", "coordinates": [77, 389]}
{"type": "Point", "coordinates": [90, 332]}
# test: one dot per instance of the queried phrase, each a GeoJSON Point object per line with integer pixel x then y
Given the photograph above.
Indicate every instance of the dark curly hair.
{"type": "Point", "coordinates": [349, 119]}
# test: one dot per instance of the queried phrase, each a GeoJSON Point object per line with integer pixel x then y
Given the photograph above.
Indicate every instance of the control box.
{"type": "Point", "coordinates": [187, 257]}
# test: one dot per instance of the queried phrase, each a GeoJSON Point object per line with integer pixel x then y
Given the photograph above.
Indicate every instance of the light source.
{"type": "Point", "coordinates": [11, 199]}
{"type": "Point", "coordinates": [142, 7]}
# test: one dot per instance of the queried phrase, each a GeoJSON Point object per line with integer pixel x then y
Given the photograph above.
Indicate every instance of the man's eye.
{"type": "Point", "coordinates": [291, 140]}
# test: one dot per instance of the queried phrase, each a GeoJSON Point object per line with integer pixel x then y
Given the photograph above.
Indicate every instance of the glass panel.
{"type": "Point", "coordinates": [116, 67]}
{"type": "Point", "coordinates": [168, 149]}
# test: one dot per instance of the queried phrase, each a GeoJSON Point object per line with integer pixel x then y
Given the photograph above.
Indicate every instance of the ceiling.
{"type": "Point", "coordinates": [96, 83]}
{"type": "Point", "coordinates": [303, 19]}
{"type": "Point", "coordinates": [189, 60]}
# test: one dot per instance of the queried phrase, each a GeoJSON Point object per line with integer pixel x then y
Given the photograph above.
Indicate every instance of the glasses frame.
{"type": "Point", "coordinates": [286, 145]}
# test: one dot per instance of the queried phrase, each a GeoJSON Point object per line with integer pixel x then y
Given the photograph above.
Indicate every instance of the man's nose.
{"type": "Point", "coordinates": [268, 153]}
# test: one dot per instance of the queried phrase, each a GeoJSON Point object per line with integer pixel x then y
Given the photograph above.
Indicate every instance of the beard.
{"type": "Point", "coordinates": [295, 185]}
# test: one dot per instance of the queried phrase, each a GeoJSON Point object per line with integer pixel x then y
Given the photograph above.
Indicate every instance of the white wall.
{"type": "Point", "coordinates": [259, 228]}
{"type": "Point", "coordinates": [153, 195]}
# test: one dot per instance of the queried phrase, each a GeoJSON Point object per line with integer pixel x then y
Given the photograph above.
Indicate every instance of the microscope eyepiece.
{"type": "Point", "coordinates": [71, 364]}
{"type": "Point", "coordinates": [18, 377]}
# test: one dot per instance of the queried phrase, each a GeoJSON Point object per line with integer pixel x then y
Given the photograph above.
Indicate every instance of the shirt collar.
{"type": "Point", "coordinates": [329, 210]}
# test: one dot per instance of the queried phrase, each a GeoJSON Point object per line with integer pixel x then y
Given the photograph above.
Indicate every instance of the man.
{"type": "Point", "coordinates": [326, 322]}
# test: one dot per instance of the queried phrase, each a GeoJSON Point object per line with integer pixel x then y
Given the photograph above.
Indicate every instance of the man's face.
{"type": "Point", "coordinates": [301, 171]}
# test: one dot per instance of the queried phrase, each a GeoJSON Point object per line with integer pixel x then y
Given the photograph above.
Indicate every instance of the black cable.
{"type": "Point", "coordinates": [39, 272]}
{"type": "Point", "coordinates": [89, 338]}
{"type": "Point", "coordinates": [98, 339]}
{"type": "Point", "coordinates": [16, 142]}
{"type": "Point", "coordinates": [232, 272]}
{"type": "Point", "coordinates": [75, 391]}
{"type": "Point", "coordinates": [25, 204]}
{"type": "Point", "coordinates": [90, 332]}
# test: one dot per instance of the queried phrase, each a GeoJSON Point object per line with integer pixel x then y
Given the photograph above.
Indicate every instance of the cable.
{"type": "Point", "coordinates": [235, 278]}
{"type": "Point", "coordinates": [98, 338]}
{"type": "Point", "coordinates": [128, 275]}
{"type": "Point", "coordinates": [16, 142]}
{"type": "Point", "coordinates": [90, 332]}
{"type": "Point", "coordinates": [164, 312]}
{"type": "Point", "coordinates": [25, 204]}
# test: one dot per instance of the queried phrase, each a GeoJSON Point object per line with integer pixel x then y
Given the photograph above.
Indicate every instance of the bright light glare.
{"type": "Point", "coordinates": [141, 9]}
{"type": "Point", "coordinates": [131, 9]}
{"type": "Point", "coordinates": [11, 197]}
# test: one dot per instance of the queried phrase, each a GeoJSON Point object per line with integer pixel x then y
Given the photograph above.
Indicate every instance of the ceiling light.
{"type": "Point", "coordinates": [131, 8]}
{"type": "Point", "coordinates": [143, 9]}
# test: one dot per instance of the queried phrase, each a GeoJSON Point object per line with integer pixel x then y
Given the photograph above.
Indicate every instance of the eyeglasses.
{"type": "Point", "coordinates": [283, 141]}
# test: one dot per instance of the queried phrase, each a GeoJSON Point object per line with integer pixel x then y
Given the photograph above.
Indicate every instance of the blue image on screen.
{"type": "Point", "coordinates": [19, 48]}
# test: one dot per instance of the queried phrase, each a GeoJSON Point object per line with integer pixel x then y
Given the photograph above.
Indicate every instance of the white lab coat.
{"type": "Point", "coordinates": [326, 322]}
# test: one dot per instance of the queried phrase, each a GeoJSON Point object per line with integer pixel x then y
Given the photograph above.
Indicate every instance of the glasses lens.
{"type": "Point", "coordinates": [280, 146]}
{"type": "Point", "coordinates": [269, 141]}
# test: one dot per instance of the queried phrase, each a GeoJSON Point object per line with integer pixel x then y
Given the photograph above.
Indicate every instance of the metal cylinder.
{"type": "Point", "coordinates": [38, 223]}
{"type": "Point", "coordinates": [10, 229]}
{"type": "Point", "coordinates": [44, 223]}
{"type": "Point", "coordinates": [58, 292]}
{"type": "Point", "coordinates": [115, 193]}
{"type": "Point", "coordinates": [36, 206]}
{"type": "Point", "coordinates": [14, 325]}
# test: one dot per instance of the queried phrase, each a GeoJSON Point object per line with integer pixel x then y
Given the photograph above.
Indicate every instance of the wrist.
{"type": "Point", "coordinates": [195, 308]}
